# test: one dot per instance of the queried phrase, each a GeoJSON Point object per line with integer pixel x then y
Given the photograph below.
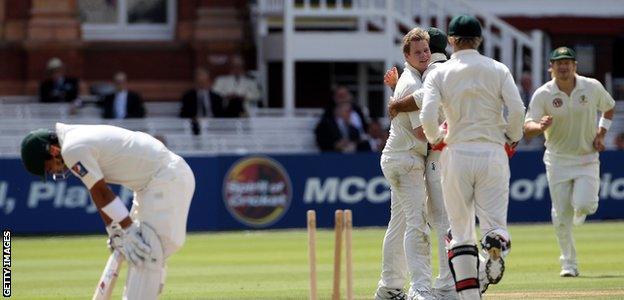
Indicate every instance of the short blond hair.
{"type": "Point", "coordinates": [467, 42]}
{"type": "Point", "coordinates": [416, 34]}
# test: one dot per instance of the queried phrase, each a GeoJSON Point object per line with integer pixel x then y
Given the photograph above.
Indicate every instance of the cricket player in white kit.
{"type": "Point", "coordinates": [473, 91]}
{"type": "Point", "coordinates": [565, 110]}
{"type": "Point", "coordinates": [444, 285]}
{"type": "Point", "coordinates": [162, 182]}
{"type": "Point", "coordinates": [403, 162]}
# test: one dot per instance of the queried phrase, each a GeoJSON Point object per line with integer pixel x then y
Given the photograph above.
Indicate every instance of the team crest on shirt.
{"type": "Point", "coordinates": [583, 99]}
{"type": "Point", "coordinates": [79, 169]}
{"type": "Point", "coordinates": [557, 102]}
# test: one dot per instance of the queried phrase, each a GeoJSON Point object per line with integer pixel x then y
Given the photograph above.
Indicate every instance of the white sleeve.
{"type": "Point", "coordinates": [430, 106]}
{"type": "Point", "coordinates": [605, 101]}
{"type": "Point", "coordinates": [252, 92]}
{"type": "Point", "coordinates": [535, 111]}
{"type": "Point", "coordinates": [515, 107]}
{"type": "Point", "coordinates": [81, 161]}
{"type": "Point", "coordinates": [219, 86]}
{"type": "Point", "coordinates": [414, 118]}
{"type": "Point", "coordinates": [418, 96]}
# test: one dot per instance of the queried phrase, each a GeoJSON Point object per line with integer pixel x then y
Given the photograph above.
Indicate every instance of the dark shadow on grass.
{"type": "Point", "coordinates": [600, 276]}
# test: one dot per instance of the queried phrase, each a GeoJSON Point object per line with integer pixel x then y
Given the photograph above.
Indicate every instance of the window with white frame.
{"type": "Point", "coordinates": [127, 19]}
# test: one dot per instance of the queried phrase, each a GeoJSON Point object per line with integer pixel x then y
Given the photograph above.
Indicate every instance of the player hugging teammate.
{"type": "Point", "coordinates": [461, 104]}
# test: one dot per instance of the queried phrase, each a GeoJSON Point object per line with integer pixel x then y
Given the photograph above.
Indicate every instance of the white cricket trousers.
{"type": "Point", "coordinates": [406, 242]}
{"type": "Point", "coordinates": [475, 180]}
{"type": "Point", "coordinates": [437, 218]}
{"type": "Point", "coordinates": [574, 183]}
{"type": "Point", "coordinates": [164, 203]}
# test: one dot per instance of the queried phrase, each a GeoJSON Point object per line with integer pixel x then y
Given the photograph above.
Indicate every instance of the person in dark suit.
{"type": "Point", "coordinates": [123, 104]}
{"type": "Point", "coordinates": [57, 87]}
{"type": "Point", "coordinates": [336, 133]}
{"type": "Point", "coordinates": [202, 101]}
{"type": "Point", "coordinates": [358, 118]}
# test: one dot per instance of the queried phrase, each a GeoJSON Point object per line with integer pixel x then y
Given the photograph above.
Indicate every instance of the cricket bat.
{"type": "Point", "coordinates": [104, 289]}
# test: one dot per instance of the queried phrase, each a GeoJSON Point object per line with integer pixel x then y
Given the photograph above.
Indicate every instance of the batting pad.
{"type": "Point", "coordinates": [145, 282]}
{"type": "Point", "coordinates": [464, 264]}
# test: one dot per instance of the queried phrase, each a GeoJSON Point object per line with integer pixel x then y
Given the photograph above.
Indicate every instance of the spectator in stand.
{"type": "Point", "coordinates": [336, 132]}
{"type": "Point", "coordinates": [619, 141]}
{"type": "Point", "coordinates": [123, 104]}
{"type": "Point", "coordinates": [377, 136]}
{"type": "Point", "coordinates": [57, 87]}
{"type": "Point", "coordinates": [526, 88]}
{"type": "Point", "coordinates": [202, 101]}
{"type": "Point", "coordinates": [358, 119]}
{"type": "Point", "coordinates": [238, 89]}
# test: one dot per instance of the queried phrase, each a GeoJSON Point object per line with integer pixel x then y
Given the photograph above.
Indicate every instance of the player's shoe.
{"type": "Point", "coordinates": [569, 272]}
{"type": "Point", "coordinates": [579, 217]}
{"type": "Point", "coordinates": [495, 265]}
{"type": "Point", "coordinates": [384, 293]}
{"type": "Point", "coordinates": [420, 294]}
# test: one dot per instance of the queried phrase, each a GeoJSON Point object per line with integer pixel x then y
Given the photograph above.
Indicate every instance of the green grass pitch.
{"type": "Point", "coordinates": [273, 265]}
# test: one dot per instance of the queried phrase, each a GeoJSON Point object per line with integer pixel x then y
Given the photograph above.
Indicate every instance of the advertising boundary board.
{"type": "Point", "coordinates": [275, 191]}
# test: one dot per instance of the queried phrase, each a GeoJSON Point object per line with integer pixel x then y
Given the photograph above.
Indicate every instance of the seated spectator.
{"type": "Point", "coordinates": [123, 104]}
{"type": "Point", "coordinates": [336, 132]}
{"type": "Point", "coordinates": [619, 141]}
{"type": "Point", "coordinates": [238, 89]}
{"type": "Point", "coordinates": [526, 88]}
{"type": "Point", "coordinates": [57, 87]}
{"type": "Point", "coordinates": [343, 95]}
{"type": "Point", "coordinates": [202, 101]}
{"type": "Point", "coordinates": [377, 136]}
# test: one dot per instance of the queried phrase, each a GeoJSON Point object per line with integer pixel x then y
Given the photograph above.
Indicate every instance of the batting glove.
{"type": "Point", "coordinates": [130, 243]}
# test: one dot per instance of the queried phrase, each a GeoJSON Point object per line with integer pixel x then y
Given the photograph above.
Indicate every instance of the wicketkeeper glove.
{"type": "Point", "coordinates": [510, 149]}
{"type": "Point", "coordinates": [129, 242]}
{"type": "Point", "coordinates": [443, 129]}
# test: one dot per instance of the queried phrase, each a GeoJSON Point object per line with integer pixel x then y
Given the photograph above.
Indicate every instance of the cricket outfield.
{"type": "Point", "coordinates": [273, 265]}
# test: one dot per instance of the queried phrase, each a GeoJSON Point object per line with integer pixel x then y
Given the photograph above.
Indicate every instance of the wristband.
{"type": "Point", "coordinates": [604, 123]}
{"type": "Point", "coordinates": [116, 210]}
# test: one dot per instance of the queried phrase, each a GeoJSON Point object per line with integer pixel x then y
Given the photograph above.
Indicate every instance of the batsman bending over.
{"type": "Point", "coordinates": [162, 182]}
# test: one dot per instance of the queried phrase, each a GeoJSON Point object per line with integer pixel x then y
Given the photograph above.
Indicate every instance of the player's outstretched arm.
{"type": "Point", "coordinates": [532, 128]}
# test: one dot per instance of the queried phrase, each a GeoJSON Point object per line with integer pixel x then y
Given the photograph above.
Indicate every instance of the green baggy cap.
{"type": "Point", "coordinates": [35, 151]}
{"type": "Point", "coordinates": [437, 40]}
{"type": "Point", "coordinates": [562, 53]}
{"type": "Point", "coordinates": [464, 26]}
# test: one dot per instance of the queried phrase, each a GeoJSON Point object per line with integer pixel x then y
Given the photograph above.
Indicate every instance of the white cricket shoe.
{"type": "Point", "coordinates": [420, 294]}
{"type": "Point", "coordinates": [384, 293]}
{"type": "Point", "coordinates": [569, 272]}
{"type": "Point", "coordinates": [495, 265]}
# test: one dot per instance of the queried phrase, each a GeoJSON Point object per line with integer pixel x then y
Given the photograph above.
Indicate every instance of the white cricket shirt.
{"type": "Point", "coordinates": [401, 137]}
{"type": "Point", "coordinates": [574, 124]}
{"type": "Point", "coordinates": [472, 89]}
{"type": "Point", "coordinates": [117, 155]}
{"type": "Point", "coordinates": [436, 60]}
